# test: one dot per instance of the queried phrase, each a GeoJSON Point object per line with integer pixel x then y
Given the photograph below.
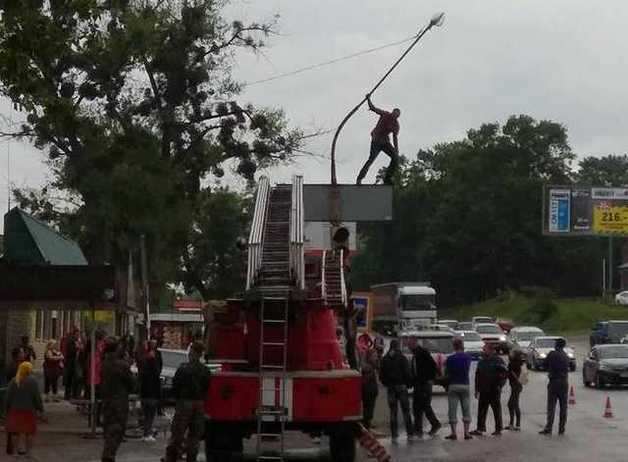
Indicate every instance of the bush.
{"type": "Point", "coordinates": [539, 312]}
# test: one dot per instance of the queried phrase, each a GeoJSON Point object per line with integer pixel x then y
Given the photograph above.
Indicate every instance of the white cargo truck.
{"type": "Point", "coordinates": [400, 306]}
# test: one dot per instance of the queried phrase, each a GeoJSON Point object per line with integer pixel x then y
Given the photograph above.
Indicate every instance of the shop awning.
{"type": "Point", "coordinates": [58, 287]}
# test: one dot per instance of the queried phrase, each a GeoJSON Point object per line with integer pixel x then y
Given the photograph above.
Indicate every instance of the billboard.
{"type": "Point", "coordinates": [585, 211]}
{"type": "Point", "coordinates": [361, 203]}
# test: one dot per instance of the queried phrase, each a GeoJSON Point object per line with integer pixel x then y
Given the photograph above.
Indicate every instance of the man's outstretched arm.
{"type": "Point", "coordinates": [396, 142]}
{"type": "Point", "coordinates": [376, 110]}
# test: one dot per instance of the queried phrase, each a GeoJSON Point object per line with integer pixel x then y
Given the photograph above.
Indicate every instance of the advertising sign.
{"type": "Point", "coordinates": [559, 211]}
{"type": "Point", "coordinates": [609, 218]}
{"type": "Point", "coordinates": [360, 304]}
{"type": "Point", "coordinates": [577, 210]}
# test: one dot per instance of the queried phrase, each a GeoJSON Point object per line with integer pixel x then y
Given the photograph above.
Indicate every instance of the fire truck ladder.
{"type": "Point", "coordinates": [280, 271]}
{"type": "Point", "coordinates": [272, 411]}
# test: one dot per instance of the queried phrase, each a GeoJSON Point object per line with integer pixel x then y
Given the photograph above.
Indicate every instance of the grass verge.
{"type": "Point", "coordinates": [565, 315]}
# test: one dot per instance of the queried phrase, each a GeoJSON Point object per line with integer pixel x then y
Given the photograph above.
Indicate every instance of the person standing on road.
{"type": "Point", "coordinates": [189, 389]}
{"type": "Point", "coordinates": [395, 376]}
{"type": "Point", "coordinates": [369, 365]}
{"type": "Point", "coordinates": [424, 371]}
{"type": "Point", "coordinates": [150, 388]}
{"type": "Point", "coordinates": [490, 376]}
{"type": "Point", "coordinates": [557, 388]}
{"type": "Point", "coordinates": [515, 368]}
{"type": "Point", "coordinates": [388, 123]}
{"type": "Point", "coordinates": [117, 384]}
{"type": "Point", "coordinates": [457, 373]}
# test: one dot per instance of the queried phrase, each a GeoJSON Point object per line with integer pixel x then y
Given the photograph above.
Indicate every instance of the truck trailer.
{"type": "Point", "coordinates": [399, 306]}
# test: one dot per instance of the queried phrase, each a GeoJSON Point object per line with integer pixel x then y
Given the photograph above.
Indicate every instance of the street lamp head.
{"type": "Point", "coordinates": [437, 20]}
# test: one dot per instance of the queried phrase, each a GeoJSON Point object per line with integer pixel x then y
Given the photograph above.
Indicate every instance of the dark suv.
{"type": "Point", "coordinates": [608, 332]}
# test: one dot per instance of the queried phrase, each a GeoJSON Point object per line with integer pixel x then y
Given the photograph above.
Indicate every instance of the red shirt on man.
{"type": "Point", "coordinates": [386, 124]}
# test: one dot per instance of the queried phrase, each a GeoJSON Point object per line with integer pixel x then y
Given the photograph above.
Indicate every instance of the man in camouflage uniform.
{"type": "Point", "coordinates": [189, 389]}
{"type": "Point", "coordinates": [117, 383]}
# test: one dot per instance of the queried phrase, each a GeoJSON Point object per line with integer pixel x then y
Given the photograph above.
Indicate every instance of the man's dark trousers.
{"type": "Point", "coordinates": [398, 395]}
{"type": "Point", "coordinates": [422, 404]}
{"type": "Point", "coordinates": [492, 398]}
{"type": "Point", "coordinates": [557, 390]}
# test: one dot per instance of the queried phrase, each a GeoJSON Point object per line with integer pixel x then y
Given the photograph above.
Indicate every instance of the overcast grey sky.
{"type": "Point", "coordinates": [563, 60]}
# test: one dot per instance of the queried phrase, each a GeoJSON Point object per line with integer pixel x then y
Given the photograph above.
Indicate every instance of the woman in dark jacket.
{"type": "Point", "coordinates": [150, 387]}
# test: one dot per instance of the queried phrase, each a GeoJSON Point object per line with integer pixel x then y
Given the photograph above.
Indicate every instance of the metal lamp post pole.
{"type": "Point", "coordinates": [437, 20]}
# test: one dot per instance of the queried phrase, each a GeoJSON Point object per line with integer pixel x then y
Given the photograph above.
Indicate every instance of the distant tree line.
{"type": "Point", "coordinates": [468, 216]}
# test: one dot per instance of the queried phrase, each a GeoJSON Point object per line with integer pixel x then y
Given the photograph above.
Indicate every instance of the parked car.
{"type": "Point", "coordinates": [475, 320]}
{"type": "Point", "coordinates": [473, 343]}
{"type": "Point", "coordinates": [540, 347]}
{"type": "Point", "coordinates": [608, 332]}
{"type": "Point", "coordinates": [622, 298]}
{"type": "Point", "coordinates": [465, 326]}
{"type": "Point", "coordinates": [520, 337]}
{"type": "Point", "coordinates": [440, 343]}
{"type": "Point", "coordinates": [452, 323]}
{"type": "Point", "coordinates": [492, 333]}
{"type": "Point", "coordinates": [606, 364]}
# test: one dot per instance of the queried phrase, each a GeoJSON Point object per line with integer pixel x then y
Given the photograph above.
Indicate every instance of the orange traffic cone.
{"type": "Point", "coordinates": [572, 397]}
{"type": "Point", "coordinates": [608, 412]}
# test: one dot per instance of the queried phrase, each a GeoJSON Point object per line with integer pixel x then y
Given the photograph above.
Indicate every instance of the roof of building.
{"type": "Point", "coordinates": [28, 240]}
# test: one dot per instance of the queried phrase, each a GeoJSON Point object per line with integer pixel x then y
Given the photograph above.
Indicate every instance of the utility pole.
{"type": "Point", "coordinates": [610, 265]}
{"type": "Point", "coordinates": [8, 175]}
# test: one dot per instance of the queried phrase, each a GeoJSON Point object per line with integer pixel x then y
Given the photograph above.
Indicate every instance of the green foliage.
{"type": "Point", "coordinates": [468, 218]}
{"type": "Point", "coordinates": [540, 311]}
{"type": "Point", "coordinates": [134, 103]}
{"type": "Point", "coordinates": [212, 263]}
{"type": "Point", "coordinates": [603, 171]}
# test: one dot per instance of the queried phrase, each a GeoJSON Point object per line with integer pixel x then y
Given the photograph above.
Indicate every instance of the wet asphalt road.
{"type": "Point", "coordinates": [590, 437]}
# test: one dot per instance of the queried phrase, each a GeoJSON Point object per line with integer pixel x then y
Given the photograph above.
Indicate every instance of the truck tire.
{"type": "Point", "coordinates": [223, 443]}
{"type": "Point", "coordinates": [342, 443]}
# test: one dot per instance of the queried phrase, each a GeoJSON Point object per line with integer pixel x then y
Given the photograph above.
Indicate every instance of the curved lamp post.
{"type": "Point", "coordinates": [437, 20]}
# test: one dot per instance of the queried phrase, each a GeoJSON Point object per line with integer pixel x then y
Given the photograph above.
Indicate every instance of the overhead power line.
{"type": "Point", "coordinates": [330, 62]}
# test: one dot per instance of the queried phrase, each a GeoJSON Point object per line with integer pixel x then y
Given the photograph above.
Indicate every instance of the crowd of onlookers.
{"type": "Point", "coordinates": [419, 373]}
{"type": "Point", "coordinates": [114, 370]}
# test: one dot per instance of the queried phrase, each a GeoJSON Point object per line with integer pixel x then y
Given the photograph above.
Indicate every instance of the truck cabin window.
{"type": "Point", "coordinates": [418, 302]}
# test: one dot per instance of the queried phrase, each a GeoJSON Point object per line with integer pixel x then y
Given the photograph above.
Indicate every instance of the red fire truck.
{"type": "Point", "coordinates": [283, 368]}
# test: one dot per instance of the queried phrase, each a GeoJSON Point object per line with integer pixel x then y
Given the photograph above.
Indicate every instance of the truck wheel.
{"type": "Point", "coordinates": [342, 443]}
{"type": "Point", "coordinates": [223, 443]}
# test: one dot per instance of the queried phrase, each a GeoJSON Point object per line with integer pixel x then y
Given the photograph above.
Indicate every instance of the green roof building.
{"type": "Point", "coordinates": [28, 241]}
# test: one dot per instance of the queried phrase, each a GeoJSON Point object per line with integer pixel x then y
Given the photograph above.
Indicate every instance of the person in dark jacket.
{"type": "Point", "coordinates": [189, 389]}
{"type": "Point", "coordinates": [395, 376]}
{"type": "Point", "coordinates": [70, 370]}
{"type": "Point", "coordinates": [117, 384]}
{"type": "Point", "coordinates": [150, 388]}
{"type": "Point", "coordinates": [27, 348]}
{"type": "Point", "coordinates": [490, 376]}
{"type": "Point", "coordinates": [17, 358]}
{"type": "Point", "coordinates": [515, 367]}
{"type": "Point", "coordinates": [557, 388]}
{"type": "Point", "coordinates": [424, 371]}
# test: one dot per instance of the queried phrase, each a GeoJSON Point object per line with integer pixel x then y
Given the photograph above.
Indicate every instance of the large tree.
{"type": "Point", "coordinates": [611, 170]}
{"type": "Point", "coordinates": [134, 104]}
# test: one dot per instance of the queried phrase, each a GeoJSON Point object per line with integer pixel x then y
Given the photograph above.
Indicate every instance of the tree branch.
{"type": "Point", "coordinates": [153, 83]}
